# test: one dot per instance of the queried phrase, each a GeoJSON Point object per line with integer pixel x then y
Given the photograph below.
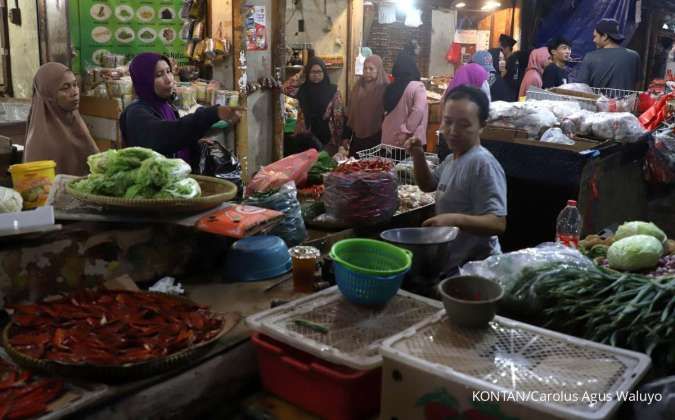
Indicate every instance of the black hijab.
{"type": "Point", "coordinates": [315, 97]}
{"type": "Point", "coordinates": [495, 53]}
{"type": "Point", "coordinates": [404, 71]}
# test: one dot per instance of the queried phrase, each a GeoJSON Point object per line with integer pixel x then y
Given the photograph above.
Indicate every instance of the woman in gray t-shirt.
{"type": "Point", "coordinates": [470, 184]}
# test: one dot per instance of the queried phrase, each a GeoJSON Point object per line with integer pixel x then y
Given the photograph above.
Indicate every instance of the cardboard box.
{"type": "Point", "coordinates": [102, 116]}
{"type": "Point", "coordinates": [505, 134]}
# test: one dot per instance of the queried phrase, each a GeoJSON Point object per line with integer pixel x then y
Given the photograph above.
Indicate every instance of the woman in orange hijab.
{"type": "Point", "coordinates": [56, 130]}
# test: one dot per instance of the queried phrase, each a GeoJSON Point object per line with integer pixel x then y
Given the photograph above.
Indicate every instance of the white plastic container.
{"type": "Point", "coordinates": [509, 370]}
{"type": "Point", "coordinates": [352, 334]}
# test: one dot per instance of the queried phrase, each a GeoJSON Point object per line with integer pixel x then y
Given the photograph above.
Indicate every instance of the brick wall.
{"type": "Point", "coordinates": [388, 40]}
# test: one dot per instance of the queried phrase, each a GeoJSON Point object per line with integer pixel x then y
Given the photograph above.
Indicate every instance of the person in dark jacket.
{"type": "Point", "coordinates": [516, 66]}
{"type": "Point", "coordinates": [505, 50]}
{"type": "Point", "coordinates": [151, 121]}
{"type": "Point", "coordinates": [499, 90]}
{"type": "Point", "coordinates": [556, 73]}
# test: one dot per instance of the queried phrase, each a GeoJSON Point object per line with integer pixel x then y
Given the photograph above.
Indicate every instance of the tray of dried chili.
{"type": "Point", "coordinates": [111, 335]}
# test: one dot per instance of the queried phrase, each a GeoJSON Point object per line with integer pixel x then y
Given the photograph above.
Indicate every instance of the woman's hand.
{"type": "Point", "coordinates": [414, 145]}
{"type": "Point", "coordinates": [230, 114]}
{"type": "Point", "coordinates": [445, 219]}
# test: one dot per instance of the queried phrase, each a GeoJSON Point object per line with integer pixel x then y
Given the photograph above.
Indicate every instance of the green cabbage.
{"type": "Point", "coordinates": [640, 228]}
{"type": "Point", "coordinates": [161, 172]}
{"type": "Point", "coordinates": [185, 188]}
{"type": "Point", "coordinates": [136, 172]}
{"type": "Point", "coordinates": [114, 161]}
{"type": "Point", "coordinates": [635, 253]}
{"type": "Point", "coordinates": [141, 191]}
{"type": "Point", "coordinates": [114, 185]}
{"type": "Point", "coordinates": [10, 201]}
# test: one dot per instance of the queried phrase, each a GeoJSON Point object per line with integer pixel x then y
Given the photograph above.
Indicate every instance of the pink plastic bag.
{"type": "Point", "coordinates": [291, 168]}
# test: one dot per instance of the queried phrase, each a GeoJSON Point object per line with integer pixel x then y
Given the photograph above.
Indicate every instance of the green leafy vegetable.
{"type": "Point", "coordinates": [640, 228]}
{"type": "Point", "coordinates": [324, 164]}
{"type": "Point", "coordinates": [114, 185]}
{"type": "Point", "coordinates": [634, 253]}
{"type": "Point", "coordinates": [10, 200]}
{"type": "Point", "coordinates": [136, 172]}
{"type": "Point", "coordinates": [160, 172]}
{"type": "Point", "coordinates": [185, 188]}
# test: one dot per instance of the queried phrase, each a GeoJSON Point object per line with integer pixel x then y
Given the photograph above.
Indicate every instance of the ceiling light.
{"type": "Point", "coordinates": [405, 5]}
{"type": "Point", "coordinates": [490, 6]}
{"type": "Point", "coordinates": [460, 5]}
{"type": "Point", "coordinates": [665, 26]}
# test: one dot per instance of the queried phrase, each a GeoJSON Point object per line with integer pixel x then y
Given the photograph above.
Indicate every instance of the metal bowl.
{"type": "Point", "coordinates": [430, 247]}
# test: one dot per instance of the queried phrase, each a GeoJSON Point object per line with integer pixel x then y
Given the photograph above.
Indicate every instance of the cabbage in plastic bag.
{"type": "Point", "coordinates": [10, 201]}
{"type": "Point", "coordinates": [114, 161]}
{"type": "Point", "coordinates": [185, 188]}
{"type": "Point", "coordinates": [640, 228]}
{"type": "Point", "coordinates": [160, 172]}
{"type": "Point", "coordinates": [634, 253]}
{"type": "Point", "coordinates": [114, 185]}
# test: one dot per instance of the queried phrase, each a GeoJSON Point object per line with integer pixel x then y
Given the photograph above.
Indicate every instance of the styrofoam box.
{"type": "Point", "coordinates": [509, 370]}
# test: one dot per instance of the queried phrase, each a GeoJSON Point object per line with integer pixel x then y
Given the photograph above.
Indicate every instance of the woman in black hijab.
{"type": "Point", "coordinates": [321, 111]}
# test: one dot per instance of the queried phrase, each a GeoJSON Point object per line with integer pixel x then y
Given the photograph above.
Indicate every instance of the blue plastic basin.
{"type": "Point", "coordinates": [257, 258]}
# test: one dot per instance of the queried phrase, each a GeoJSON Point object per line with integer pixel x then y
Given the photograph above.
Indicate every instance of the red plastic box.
{"type": "Point", "coordinates": [328, 390]}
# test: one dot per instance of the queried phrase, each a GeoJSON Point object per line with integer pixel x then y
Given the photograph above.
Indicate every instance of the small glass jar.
{"type": "Point", "coordinates": [305, 261]}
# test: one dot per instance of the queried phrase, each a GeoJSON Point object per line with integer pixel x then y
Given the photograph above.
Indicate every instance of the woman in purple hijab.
{"type": "Point", "coordinates": [151, 121]}
{"type": "Point", "coordinates": [471, 74]}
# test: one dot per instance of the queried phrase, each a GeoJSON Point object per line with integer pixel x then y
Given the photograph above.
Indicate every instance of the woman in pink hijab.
{"type": "Point", "coordinates": [539, 59]}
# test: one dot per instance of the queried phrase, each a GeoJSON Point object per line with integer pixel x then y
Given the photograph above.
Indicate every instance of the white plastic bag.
{"type": "Point", "coordinates": [555, 135]}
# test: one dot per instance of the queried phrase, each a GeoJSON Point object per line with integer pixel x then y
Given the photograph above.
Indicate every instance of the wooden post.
{"type": "Point", "coordinates": [239, 47]}
{"type": "Point", "coordinates": [355, 40]}
{"type": "Point", "coordinates": [278, 46]}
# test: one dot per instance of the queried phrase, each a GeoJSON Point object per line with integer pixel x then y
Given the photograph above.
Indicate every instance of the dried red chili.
{"type": "Point", "coordinates": [110, 327]}
{"type": "Point", "coordinates": [22, 395]}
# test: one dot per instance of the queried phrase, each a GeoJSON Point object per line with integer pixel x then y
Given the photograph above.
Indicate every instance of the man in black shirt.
{"type": "Point", "coordinates": [555, 74]}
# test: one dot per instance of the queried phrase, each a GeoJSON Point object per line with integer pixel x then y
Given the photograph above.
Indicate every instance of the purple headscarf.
{"type": "Point", "coordinates": [142, 70]}
{"type": "Point", "coordinates": [471, 74]}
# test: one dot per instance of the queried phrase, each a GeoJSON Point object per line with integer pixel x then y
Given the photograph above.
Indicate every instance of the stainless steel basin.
{"type": "Point", "coordinates": [430, 247]}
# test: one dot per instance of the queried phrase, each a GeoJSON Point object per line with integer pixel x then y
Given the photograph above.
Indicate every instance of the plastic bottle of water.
{"type": "Point", "coordinates": [568, 227]}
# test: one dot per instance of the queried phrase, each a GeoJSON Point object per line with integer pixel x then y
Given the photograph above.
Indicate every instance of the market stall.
{"type": "Point", "coordinates": [142, 215]}
{"type": "Point", "coordinates": [555, 147]}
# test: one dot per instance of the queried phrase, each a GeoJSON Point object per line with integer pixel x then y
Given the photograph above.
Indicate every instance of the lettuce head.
{"type": "Point", "coordinates": [637, 252]}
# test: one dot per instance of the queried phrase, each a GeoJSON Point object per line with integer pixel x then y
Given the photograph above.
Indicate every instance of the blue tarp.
{"type": "Point", "coordinates": [575, 20]}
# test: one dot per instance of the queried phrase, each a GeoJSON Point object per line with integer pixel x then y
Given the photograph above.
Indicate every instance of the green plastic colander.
{"type": "Point", "coordinates": [368, 256]}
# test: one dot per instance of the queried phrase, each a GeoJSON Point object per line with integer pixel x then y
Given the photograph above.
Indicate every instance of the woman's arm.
{"type": "Point", "coordinates": [417, 112]}
{"type": "Point", "coordinates": [484, 225]}
{"type": "Point", "coordinates": [292, 85]}
{"type": "Point", "coordinates": [146, 129]}
{"type": "Point", "coordinates": [337, 119]}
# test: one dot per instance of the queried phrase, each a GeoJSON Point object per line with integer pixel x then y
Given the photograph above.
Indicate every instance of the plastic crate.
{"type": "Point", "coordinates": [330, 391]}
{"type": "Point", "coordinates": [354, 332]}
{"type": "Point", "coordinates": [508, 370]}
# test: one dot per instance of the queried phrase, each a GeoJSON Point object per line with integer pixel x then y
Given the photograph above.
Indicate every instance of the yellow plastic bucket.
{"type": "Point", "coordinates": [33, 180]}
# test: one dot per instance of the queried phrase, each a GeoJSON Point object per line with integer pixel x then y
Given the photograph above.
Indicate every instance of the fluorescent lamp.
{"type": "Point", "coordinates": [405, 5]}
{"type": "Point", "coordinates": [460, 5]}
{"type": "Point", "coordinates": [490, 6]}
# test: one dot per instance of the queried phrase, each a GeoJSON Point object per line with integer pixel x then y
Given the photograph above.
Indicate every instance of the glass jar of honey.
{"type": "Point", "coordinates": [305, 261]}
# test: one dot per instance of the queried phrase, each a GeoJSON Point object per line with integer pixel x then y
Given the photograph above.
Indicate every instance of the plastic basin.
{"type": "Point", "coordinates": [470, 301]}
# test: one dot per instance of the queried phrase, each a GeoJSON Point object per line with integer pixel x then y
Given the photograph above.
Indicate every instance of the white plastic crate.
{"type": "Point", "coordinates": [353, 333]}
{"type": "Point", "coordinates": [403, 164]}
{"type": "Point", "coordinates": [507, 371]}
